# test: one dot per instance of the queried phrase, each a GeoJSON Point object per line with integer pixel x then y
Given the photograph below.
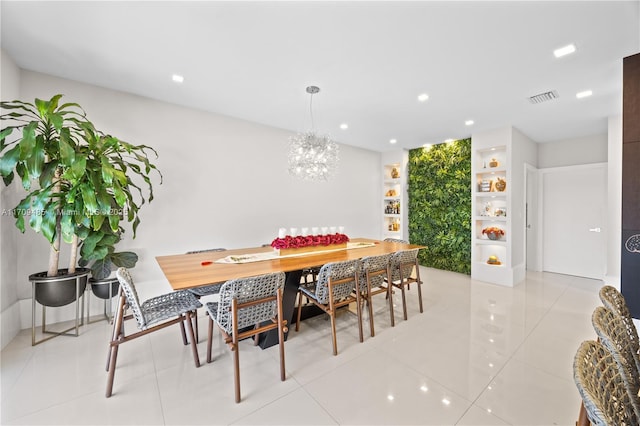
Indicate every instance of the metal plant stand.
{"type": "Point", "coordinates": [80, 278]}
{"type": "Point", "coordinates": [98, 287]}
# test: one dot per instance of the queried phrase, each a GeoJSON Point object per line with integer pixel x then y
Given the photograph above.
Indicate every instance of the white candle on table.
{"type": "Point", "coordinates": [304, 232]}
{"type": "Point", "coordinates": [341, 229]}
{"type": "Point", "coordinates": [314, 230]}
{"type": "Point", "coordinates": [332, 230]}
{"type": "Point", "coordinates": [282, 232]}
{"type": "Point", "coordinates": [294, 232]}
{"type": "Point", "coordinates": [324, 230]}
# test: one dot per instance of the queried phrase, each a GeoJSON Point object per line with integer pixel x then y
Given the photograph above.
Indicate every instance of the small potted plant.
{"type": "Point", "coordinates": [493, 233]}
{"type": "Point", "coordinates": [80, 184]}
{"type": "Point", "coordinates": [102, 260]}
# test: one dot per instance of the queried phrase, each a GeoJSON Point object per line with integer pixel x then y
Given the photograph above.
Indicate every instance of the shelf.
{"type": "Point", "coordinates": [394, 192]}
{"type": "Point", "coordinates": [489, 242]}
{"type": "Point", "coordinates": [491, 218]}
{"type": "Point", "coordinates": [485, 151]}
{"type": "Point", "coordinates": [492, 171]}
{"type": "Point", "coordinates": [491, 193]}
{"type": "Point", "coordinates": [485, 264]}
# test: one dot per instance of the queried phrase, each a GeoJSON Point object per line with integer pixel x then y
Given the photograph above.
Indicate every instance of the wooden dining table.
{"type": "Point", "coordinates": [184, 271]}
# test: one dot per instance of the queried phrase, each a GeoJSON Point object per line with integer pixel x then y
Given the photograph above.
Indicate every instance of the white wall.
{"type": "Point", "coordinates": [614, 201]}
{"type": "Point", "coordinates": [523, 151]}
{"type": "Point", "coordinates": [9, 308]}
{"type": "Point", "coordinates": [225, 181]}
{"type": "Point", "coordinates": [571, 152]}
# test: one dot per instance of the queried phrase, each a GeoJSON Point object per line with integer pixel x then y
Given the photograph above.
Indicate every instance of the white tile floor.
{"type": "Point", "coordinates": [480, 354]}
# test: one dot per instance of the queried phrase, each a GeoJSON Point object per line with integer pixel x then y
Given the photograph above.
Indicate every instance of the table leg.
{"type": "Point", "coordinates": [291, 284]}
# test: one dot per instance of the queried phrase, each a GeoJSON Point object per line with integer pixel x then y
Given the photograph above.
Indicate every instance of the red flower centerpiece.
{"type": "Point", "coordinates": [310, 243]}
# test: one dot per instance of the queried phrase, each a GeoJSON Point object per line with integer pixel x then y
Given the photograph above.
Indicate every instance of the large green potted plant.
{"type": "Point", "coordinates": [80, 184]}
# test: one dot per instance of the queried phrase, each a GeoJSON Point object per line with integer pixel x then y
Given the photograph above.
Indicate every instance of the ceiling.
{"type": "Point", "coordinates": [476, 60]}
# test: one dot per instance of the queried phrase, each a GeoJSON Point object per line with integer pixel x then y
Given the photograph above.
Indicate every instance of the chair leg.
{"type": "Point", "coordinates": [112, 369]}
{"type": "Point", "coordinates": [419, 284]}
{"type": "Point", "coordinates": [184, 334]}
{"type": "Point", "coordinates": [209, 340]}
{"type": "Point", "coordinates": [359, 313]}
{"type": "Point", "coordinates": [118, 331]}
{"type": "Point", "coordinates": [369, 302]}
{"type": "Point", "coordinates": [299, 311]}
{"type": "Point", "coordinates": [187, 318]}
{"type": "Point", "coordinates": [404, 302]}
{"type": "Point", "coordinates": [195, 323]}
{"type": "Point", "coordinates": [333, 332]}
{"type": "Point", "coordinates": [118, 327]}
{"type": "Point", "coordinates": [234, 347]}
{"type": "Point", "coordinates": [236, 367]}
{"type": "Point", "coordinates": [583, 420]}
{"type": "Point", "coordinates": [281, 326]}
{"type": "Point", "coordinates": [390, 299]}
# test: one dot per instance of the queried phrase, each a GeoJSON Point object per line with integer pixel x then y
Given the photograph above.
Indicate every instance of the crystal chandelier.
{"type": "Point", "coordinates": [311, 156]}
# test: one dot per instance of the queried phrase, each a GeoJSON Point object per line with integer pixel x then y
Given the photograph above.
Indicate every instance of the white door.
{"type": "Point", "coordinates": [574, 215]}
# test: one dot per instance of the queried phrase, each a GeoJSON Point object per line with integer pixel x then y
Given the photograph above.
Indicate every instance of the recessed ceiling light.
{"type": "Point", "coordinates": [177, 78]}
{"type": "Point", "coordinates": [423, 97]}
{"type": "Point", "coordinates": [468, 123]}
{"type": "Point", "coordinates": [448, 140]}
{"type": "Point", "coordinates": [584, 94]}
{"type": "Point", "coordinates": [566, 50]}
{"type": "Point", "coordinates": [344, 126]}
{"type": "Point", "coordinates": [392, 141]}
{"type": "Point", "coordinates": [445, 401]}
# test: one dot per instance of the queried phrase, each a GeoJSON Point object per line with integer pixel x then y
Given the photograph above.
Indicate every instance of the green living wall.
{"type": "Point", "coordinates": [440, 204]}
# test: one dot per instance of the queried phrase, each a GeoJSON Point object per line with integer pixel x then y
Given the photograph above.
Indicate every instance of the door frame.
{"type": "Point", "coordinates": [533, 261]}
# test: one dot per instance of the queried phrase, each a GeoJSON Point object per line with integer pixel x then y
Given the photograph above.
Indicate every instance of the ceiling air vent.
{"type": "Point", "coordinates": [543, 97]}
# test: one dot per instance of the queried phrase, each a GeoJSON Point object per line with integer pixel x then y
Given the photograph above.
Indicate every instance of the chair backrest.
{"type": "Point", "coordinates": [206, 250]}
{"type": "Point", "coordinates": [613, 335]}
{"type": "Point", "coordinates": [248, 291]}
{"type": "Point", "coordinates": [613, 300]}
{"type": "Point", "coordinates": [373, 265]}
{"type": "Point", "coordinates": [337, 271]}
{"type": "Point", "coordinates": [133, 301]}
{"type": "Point", "coordinates": [405, 259]}
{"type": "Point", "coordinates": [396, 240]}
{"type": "Point", "coordinates": [600, 384]}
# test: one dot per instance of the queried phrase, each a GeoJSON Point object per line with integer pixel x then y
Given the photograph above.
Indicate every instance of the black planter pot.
{"type": "Point", "coordinates": [100, 288]}
{"type": "Point", "coordinates": [61, 289]}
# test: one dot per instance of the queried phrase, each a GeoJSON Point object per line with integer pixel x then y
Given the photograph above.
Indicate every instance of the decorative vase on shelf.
{"type": "Point", "coordinates": [395, 174]}
{"type": "Point", "coordinates": [493, 233]}
{"type": "Point", "coordinates": [494, 163]}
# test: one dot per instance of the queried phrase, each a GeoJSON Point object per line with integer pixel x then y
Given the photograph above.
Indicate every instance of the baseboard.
{"type": "Point", "coordinates": [11, 323]}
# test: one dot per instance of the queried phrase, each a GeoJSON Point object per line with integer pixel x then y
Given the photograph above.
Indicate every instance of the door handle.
{"type": "Point", "coordinates": [594, 229]}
